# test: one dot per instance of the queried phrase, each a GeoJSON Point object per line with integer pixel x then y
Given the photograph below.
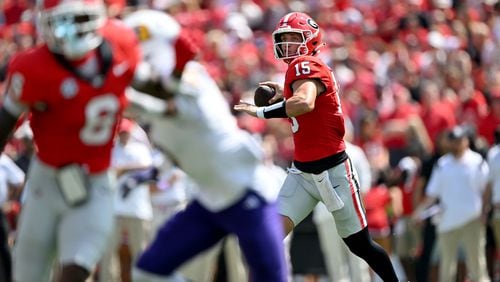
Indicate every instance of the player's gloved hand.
{"type": "Point", "coordinates": [137, 178]}
{"type": "Point", "coordinates": [127, 186]}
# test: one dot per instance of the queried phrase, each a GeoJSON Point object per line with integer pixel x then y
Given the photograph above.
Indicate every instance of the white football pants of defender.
{"type": "Point", "coordinates": [341, 264]}
{"type": "Point", "coordinates": [47, 224]}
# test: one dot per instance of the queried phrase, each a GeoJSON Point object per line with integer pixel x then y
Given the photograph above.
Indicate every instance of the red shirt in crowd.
{"type": "Point", "coordinates": [376, 203]}
{"type": "Point", "coordinates": [437, 119]}
{"type": "Point", "coordinates": [488, 124]}
{"type": "Point", "coordinates": [13, 10]}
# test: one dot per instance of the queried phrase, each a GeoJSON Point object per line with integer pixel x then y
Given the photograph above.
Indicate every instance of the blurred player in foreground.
{"type": "Point", "coordinates": [74, 87]}
{"type": "Point", "coordinates": [194, 123]}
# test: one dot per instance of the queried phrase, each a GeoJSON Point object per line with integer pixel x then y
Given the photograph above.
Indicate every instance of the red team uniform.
{"type": "Point", "coordinates": [74, 122]}
{"type": "Point", "coordinates": [319, 147]}
{"type": "Point", "coordinates": [321, 169]}
{"type": "Point", "coordinates": [321, 132]}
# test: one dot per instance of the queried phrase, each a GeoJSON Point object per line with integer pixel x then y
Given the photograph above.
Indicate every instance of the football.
{"type": "Point", "coordinates": [262, 95]}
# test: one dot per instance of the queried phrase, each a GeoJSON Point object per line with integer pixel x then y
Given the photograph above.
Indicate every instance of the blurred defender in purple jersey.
{"type": "Point", "coordinates": [192, 121]}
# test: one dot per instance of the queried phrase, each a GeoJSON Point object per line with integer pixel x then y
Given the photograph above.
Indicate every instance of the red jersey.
{"type": "Point", "coordinates": [74, 120]}
{"type": "Point", "coordinates": [376, 202]}
{"type": "Point", "coordinates": [319, 133]}
{"type": "Point", "coordinates": [487, 126]}
{"type": "Point", "coordinates": [437, 119]}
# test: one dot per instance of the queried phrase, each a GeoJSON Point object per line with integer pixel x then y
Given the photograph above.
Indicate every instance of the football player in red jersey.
{"type": "Point", "coordinates": [321, 170]}
{"type": "Point", "coordinates": [74, 87]}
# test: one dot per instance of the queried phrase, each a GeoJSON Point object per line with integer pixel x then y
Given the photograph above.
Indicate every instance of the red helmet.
{"type": "Point", "coordinates": [303, 25]}
{"type": "Point", "coordinates": [70, 27]}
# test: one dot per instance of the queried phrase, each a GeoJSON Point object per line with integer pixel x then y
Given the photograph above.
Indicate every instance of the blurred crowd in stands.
{"type": "Point", "coordinates": [409, 71]}
{"type": "Point", "coordinates": [394, 60]}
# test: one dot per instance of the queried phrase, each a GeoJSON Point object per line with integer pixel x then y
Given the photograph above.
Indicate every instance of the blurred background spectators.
{"type": "Point", "coordinates": [435, 63]}
{"type": "Point", "coordinates": [409, 70]}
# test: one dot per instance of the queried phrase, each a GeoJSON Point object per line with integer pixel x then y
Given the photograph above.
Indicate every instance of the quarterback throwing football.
{"type": "Point", "coordinates": [321, 170]}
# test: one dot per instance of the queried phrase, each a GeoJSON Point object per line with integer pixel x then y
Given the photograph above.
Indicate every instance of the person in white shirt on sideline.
{"type": "Point", "coordinates": [459, 181]}
{"type": "Point", "coordinates": [11, 176]}
{"type": "Point", "coordinates": [170, 195]}
{"type": "Point", "coordinates": [133, 211]}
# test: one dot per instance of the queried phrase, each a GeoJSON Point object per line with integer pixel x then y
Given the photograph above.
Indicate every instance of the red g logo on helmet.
{"type": "Point", "coordinates": [307, 39]}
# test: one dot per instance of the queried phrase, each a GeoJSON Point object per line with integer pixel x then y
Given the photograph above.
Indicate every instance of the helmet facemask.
{"type": "Point", "coordinates": [304, 37]}
{"type": "Point", "coordinates": [285, 49]}
{"type": "Point", "coordinates": [71, 28]}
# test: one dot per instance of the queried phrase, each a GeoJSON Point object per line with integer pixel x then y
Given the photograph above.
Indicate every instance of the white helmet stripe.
{"type": "Point", "coordinates": [285, 19]}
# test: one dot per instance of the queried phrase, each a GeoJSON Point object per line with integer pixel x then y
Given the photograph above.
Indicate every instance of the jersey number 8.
{"type": "Point", "coordinates": [100, 118]}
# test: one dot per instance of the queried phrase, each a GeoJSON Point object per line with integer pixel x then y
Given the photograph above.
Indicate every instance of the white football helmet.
{"type": "Point", "coordinates": [153, 25]}
{"type": "Point", "coordinates": [157, 33]}
{"type": "Point", "coordinates": [70, 27]}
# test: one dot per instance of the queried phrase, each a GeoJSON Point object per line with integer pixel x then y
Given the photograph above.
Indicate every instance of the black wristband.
{"type": "Point", "coordinates": [277, 110]}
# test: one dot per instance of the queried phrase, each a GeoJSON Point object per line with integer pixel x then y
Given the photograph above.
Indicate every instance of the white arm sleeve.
{"type": "Point", "coordinates": [144, 104]}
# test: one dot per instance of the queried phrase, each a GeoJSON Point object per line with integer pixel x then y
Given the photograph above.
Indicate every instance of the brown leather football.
{"type": "Point", "coordinates": [262, 95]}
